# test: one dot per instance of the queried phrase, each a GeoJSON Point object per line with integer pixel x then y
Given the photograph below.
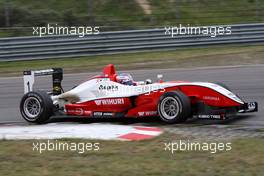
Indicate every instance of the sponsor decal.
{"type": "Point", "coordinates": [141, 113]}
{"type": "Point", "coordinates": [87, 113]}
{"type": "Point", "coordinates": [108, 114]}
{"type": "Point", "coordinates": [251, 105]}
{"type": "Point", "coordinates": [103, 114]}
{"type": "Point", "coordinates": [97, 113]}
{"type": "Point", "coordinates": [117, 101]}
{"type": "Point", "coordinates": [211, 98]}
{"type": "Point", "coordinates": [209, 116]}
{"type": "Point", "coordinates": [152, 89]}
{"type": "Point", "coordinates": [147, 113]}
{"type": "Point", "coordinates": [102, 79]}
{"type": "Point", "coordinates": [77, 111]}
{"type": "Point", "coordinates": [108, 87]}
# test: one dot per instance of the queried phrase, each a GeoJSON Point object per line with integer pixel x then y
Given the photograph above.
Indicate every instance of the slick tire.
{"type": "Point", "coordinates": [36, 107]}
{"type": "Point", "coordinates": [174, 107]}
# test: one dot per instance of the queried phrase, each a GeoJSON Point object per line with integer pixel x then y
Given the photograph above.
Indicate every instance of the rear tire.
{"type": "Point", "coordinates": [36, 107]}
{"type": "Point", "coordinates": [174, 107]}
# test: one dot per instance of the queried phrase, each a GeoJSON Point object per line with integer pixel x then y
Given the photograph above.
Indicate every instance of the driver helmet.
{"type": "Point", "coordinates": [125, 78]}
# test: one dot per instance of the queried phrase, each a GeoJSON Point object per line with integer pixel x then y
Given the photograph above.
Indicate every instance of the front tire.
{"type": "Point", "coordinates": [36, 107]}
{"type": "Point", "coordinates": [174, 107]}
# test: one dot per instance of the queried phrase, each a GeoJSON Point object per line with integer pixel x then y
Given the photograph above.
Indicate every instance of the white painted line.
{"type": "Point", "coordinates": [85, 131]}
{"type": "Point", "coordinates": [151, 133]}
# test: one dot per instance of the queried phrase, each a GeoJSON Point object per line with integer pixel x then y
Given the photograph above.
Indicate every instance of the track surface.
{"type": "Point", "coordinates": [247, 81]}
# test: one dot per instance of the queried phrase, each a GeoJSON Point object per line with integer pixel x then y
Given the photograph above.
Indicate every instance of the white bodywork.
{"type": "Point", "coordinates": [29, 79]}
{"type": "Point", "coordinates": [104, 88]}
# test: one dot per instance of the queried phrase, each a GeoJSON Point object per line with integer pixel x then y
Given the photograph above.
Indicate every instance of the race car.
{"type": "Point", "coordinates": [113, 95]}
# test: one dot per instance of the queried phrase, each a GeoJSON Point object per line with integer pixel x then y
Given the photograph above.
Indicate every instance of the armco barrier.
{"type": "Point", "coordinates": [30, 48]}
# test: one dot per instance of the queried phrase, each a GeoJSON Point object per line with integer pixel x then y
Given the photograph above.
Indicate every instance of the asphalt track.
{"type": "Point", "coordinates": [247, 81]}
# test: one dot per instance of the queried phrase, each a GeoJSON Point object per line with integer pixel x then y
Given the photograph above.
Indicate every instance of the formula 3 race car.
{"type": "Point", "coordinates": [112, 95]}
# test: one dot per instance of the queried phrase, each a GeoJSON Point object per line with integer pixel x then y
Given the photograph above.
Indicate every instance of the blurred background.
{"type": "Point", "coordinates": [17, 17]}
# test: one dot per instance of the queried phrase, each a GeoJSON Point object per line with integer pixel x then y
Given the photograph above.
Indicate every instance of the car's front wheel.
{"type": "Point", "coordinates": [174, 107]}
{"type": "Point", "coordinates": [36, 107]}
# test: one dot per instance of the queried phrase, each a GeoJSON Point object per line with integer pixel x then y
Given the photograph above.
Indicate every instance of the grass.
{"type": "Point", "coordinates": [182, 58]}
{"type": "Point", "coordinates": [119, 15]}
{"type": "Point", "coordinates": [132, 158]}
{"type": "Point", "coordinates": [207, 12]}
{"type": "Point", "coordinates": [260, 130]}
{"type": "Point", "coordinates": [106, 14]}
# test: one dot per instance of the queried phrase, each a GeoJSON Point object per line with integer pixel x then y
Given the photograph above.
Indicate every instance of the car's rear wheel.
{"type": "Point", "coordinates": [174, 107]}
{"type": "Point", "coordinates": [36, 107]}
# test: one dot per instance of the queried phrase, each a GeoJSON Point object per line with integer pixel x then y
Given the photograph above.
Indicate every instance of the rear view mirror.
{"type": "Point", "coordinates": [159, 77]}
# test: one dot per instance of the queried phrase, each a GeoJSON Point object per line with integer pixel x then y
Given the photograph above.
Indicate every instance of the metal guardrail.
{"type": "Point", "coordinates": [30, 48]}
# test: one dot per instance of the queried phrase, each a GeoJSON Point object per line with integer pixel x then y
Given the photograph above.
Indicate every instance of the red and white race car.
{"type": "Point", "coordinates": [118, 95]}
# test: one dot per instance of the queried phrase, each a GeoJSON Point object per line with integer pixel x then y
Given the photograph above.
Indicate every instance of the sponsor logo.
{"type": "Point", "coordinates": [108, 88]}
{"type": "Point", "coordinates": [117, 101]}
{"type": "Point", "coordinates": [97, 113]}
{"type": "Point", "coordinates": [87, 113]}
{"type": "Point", "coordinates": [102, 79]}
{"type": "Point", "coordinates": [209, 116]}
{"type": "Point", "coordinates": [108, 114]}
{"type": "Point", "coordinates": [251, 105]}
{"type": "Point", "coordinates": [152, 89]}
{"type": "Point", "coordinates": [77, 111]}
{"type": "Point", "coordinates": [147, 113]}
{"type": "Point", "coordinates": [141, 113]}
{"type": "Point", "coordinates": [211, 98]}
{"type": "Point", "coordinates": [103, 114]}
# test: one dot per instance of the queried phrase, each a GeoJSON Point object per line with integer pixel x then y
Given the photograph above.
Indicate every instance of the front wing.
{"type": "Point", "coordinates": [207, 112]}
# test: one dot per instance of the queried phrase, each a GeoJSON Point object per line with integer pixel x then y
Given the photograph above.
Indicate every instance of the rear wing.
{"type": "Point", "coordinates": [57, 76]}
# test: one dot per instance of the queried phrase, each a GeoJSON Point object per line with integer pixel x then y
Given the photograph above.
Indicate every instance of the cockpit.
{"type": "Point", "coordinates": [122, 78]}
{"type": "Point", "coordinates": [125, 78]}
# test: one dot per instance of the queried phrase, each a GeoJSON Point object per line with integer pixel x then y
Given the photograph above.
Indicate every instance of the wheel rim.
{"type": "Point", "coordinates": [32, 108]}
{"type": "Point", "coordinates": [169, 108]}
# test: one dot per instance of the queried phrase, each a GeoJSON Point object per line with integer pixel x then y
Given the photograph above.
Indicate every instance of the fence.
{"type": "Point", "coordinates": [30, 48]}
